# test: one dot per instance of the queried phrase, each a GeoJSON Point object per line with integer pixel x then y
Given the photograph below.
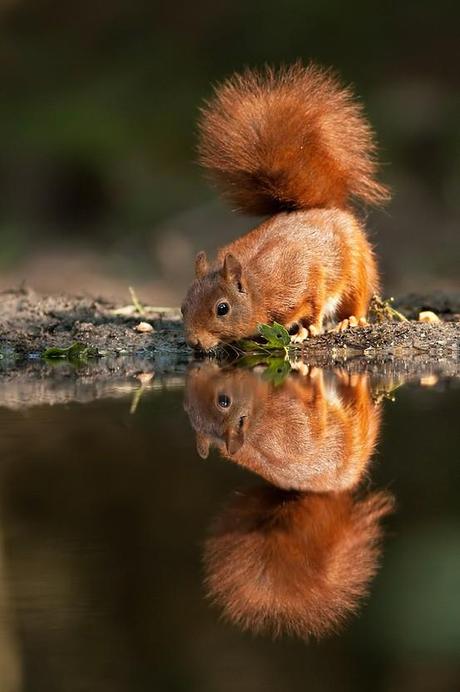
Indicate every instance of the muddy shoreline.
{"type": "Point", "coordinates": [31, 323]}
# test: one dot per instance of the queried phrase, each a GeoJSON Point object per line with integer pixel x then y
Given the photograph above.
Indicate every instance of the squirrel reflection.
{"type": "Point", "coordinates": [295, 563]}
{"type": "Point", "coordinates": [296, 558]}
{"type": "Point", "coordinates": [310, 433]}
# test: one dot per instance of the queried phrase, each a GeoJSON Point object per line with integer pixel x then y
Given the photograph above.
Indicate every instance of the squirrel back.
{"type": "Point", "coordinates": [288, 140]}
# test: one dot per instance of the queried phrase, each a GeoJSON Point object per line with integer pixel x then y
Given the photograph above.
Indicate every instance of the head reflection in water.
{"type": "Point", "coordinates": [313, 432]}
{"type": "Point", "coordinates": [297, 563]}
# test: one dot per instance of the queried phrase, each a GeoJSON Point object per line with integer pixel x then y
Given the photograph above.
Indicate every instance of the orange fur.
{"type": "Point", "coordinates": [289, 139]}
{"type": "Point", "coordinates": [295, 563]}
{"type": "Point", "coordinates": [312, 433]}
{"type": "Point", "coordinates": [292, 143]}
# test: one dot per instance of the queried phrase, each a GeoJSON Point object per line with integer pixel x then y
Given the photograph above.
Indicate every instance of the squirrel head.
{"type": "Point", "coordinates": [311, 432]}
{"type": "Point", "coordinates": [218, 305]}
{"type": "Point", "coordinates": [221, 404]}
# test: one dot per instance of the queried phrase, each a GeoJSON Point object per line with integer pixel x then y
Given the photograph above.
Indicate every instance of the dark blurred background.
{"type": "Point", "coordinates": [98, 184]}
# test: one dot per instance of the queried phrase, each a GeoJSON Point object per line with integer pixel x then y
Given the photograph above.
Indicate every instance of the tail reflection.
{"type": "Point", "coordinates": [296, 558]}
{"type": "Point", "coordinates": [314, 432]}
{"type": "Point", "coordinates": [296, 563]}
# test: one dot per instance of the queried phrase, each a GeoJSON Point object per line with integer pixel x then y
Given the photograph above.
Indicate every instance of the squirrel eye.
{"type": "Point", "coordinates": [223, 400]}
{"type": "Point", "coordinates": [222, 309]}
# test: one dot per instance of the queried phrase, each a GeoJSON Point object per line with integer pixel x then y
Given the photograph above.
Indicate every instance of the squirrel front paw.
{"type": "Point", "coordinates": [304, 333]}
{"type": "Point", "coordinates": [351, 321]}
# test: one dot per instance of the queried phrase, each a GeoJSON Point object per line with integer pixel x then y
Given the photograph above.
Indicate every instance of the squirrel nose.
{"type": "Point", "coordinates": [193, 341]}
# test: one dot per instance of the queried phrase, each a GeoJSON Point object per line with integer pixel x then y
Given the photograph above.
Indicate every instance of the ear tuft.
{"type": "Point", "coordinates": [202, 445]}
{"type": "Point", "coordinates": [234, 440]}
{"type": "Point", "coordinates": [201, 265]}
{"type": "Point", "coordinates": [232, 269]}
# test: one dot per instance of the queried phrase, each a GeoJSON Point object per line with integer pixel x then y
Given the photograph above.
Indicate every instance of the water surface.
{"type": "Point", "coordinates": [129, 562]}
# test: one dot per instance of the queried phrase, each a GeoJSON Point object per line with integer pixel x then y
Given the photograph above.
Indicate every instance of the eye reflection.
{"type": "Point", "coordinates": [223, 401]}
{"type": "Point", "coordinates": [222, 309]}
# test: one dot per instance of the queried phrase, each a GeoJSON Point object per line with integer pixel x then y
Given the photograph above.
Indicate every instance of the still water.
{"type": "Point", "coordinates": [229, 530]}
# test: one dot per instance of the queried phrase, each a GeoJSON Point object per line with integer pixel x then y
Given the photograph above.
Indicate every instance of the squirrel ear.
{"type": "Point", "coordinates": [231, 269]}
{"type": "Point", "coordinates": [201, 265]}
{"type": "Point", "coordinates": [202, 445]}
{"type": "Point", "coordinates": [234, 440]}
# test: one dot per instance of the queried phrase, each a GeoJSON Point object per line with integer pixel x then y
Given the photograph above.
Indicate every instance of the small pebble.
{"type": "Point", "coordinates": [143, 327]}
{"type": "Point", "coordinates": [428, 380]}
{"type": "Point", "coordinates": [428, 316]}
{"type": "Point", "coordinates": [83, 326]}
{"type": "Point", "coordinates": [145, 377]}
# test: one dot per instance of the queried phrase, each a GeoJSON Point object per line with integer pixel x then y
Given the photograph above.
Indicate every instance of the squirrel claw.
{"type": "Point", "coordinates": [301, 335]}
{"type": "Point", "coordinates": [342, 326]}
{"type": "Point", "coordinates": [302, 368]}
{"type": "Point", "coordinates": [351, 321]}
{"type": "Point", "coordinates": [304, 333]}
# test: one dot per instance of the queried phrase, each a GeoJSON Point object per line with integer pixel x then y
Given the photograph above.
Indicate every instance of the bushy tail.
{"type": "Point", "coordinates": [286, 140]}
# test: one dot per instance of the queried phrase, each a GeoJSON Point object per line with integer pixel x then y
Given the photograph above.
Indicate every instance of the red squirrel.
{"type": "Point", "coordinates": [282, 562]}
{"type": "Point", "coordinates": [313, 433]}
{"type": "Point", "coordinates": [293, 145]}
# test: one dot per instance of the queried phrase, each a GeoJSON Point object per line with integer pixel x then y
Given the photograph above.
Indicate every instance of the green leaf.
{"type": "Point", "coordinates": [273, 338]}
{"type": "Point", "coordinates": [277, 367]}
{"type": "Point", "coordinates": [251, 346]}
{"type": "Point", "coordinates": [276, 335]}
{"type": "Point", "coordinates": [277, 371]}
{"type": "Point", "coordinates": [251, 360]}
{"type": "Point", "coordinates": [76, 352]}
